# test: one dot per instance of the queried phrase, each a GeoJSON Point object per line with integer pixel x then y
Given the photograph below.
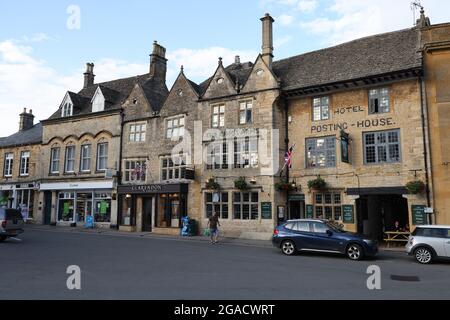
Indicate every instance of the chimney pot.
{"type": "Point", "coordinates": [158, 62]}
{"type": "Point", "coordinates": [237, 60]}
{"type": "Point", "coordinates": [89, 75]}
{"type": "Point", "coordinates": [267, 39]}
{"type": "Point", "coordinates": [26, 120]}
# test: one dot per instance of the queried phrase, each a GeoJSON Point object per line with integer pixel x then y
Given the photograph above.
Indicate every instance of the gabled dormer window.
{"type": "Point", "coordinates": [98, 101]}
{"type": "Point", "coordinates": [67, 110]}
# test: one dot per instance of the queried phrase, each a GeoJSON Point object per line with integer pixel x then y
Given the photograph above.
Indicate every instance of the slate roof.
{"type": "Point", "coordinates": [116, 92]}
{"type": "Point", "coordinates": [27, 137]}
{"type": "Point", "coordinates": [370, 56]}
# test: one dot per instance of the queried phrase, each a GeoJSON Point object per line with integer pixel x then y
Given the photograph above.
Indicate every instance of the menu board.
{"type": "Point", "coordinates": [419, 215]}
{"type": "Point", "coordinates": [266, 210]}
{"type": "Point", "coordinates": [348, 214]}
{"type": "Point", "coordinates": [309, 212]}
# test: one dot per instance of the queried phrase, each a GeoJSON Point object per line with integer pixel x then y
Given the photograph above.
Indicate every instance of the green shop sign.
{"type": "Point", "coordinates": [266, 210]}
{"type": "Point", "coordinates": [309, 212]}
{"type": "Point", "coordinates": [419, 216]}
{"type": "Point", "coordinates": [348, 214]}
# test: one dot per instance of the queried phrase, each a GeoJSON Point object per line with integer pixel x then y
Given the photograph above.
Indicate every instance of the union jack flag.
{"type": "Point", "coordinates": [288, 157]}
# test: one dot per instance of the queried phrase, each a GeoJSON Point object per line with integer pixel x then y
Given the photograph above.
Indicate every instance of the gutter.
{"type": "Point", "coordinates": [119, 173]}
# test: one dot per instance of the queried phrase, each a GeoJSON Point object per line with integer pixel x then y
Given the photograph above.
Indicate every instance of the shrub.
{"type": "Point", "coordinates": [415, 187]}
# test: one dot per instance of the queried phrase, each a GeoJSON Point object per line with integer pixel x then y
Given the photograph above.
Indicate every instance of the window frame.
{"type": "Point", "coordinates": [8, 165]}
{"type": "Point", "coordinates": [249, 143]}
{"type": "Point", "coordinates": [241, 203]}
{"type": "Point", "coordinates": [223, 155]}
{"type": "Point", "coordinates": [83, 158]}
{"type": "Point", "coordinates": [128, 172]}
{"type": "Point", "coordinates": [387, 146]}
{"type": "Point", "coordinates": [379, 96]}
{"type": "Point", "coordinates": [100, 156]}
{"type": "Point", "coordinates": [220, 115]}
{"type": "Point", "coordinates": [317, 150]}
{"type": "Point", "coordinates": [221, 204]}
{"type": "Point", "coordinates": [171, 168]}
{"type": "Point", "coordinates": [24, 170]}
{"type": "Point", "coordinates": [142, 132]}
{"type": "Point", "coordinates": [248, 107]}
{"type": "Point", "coordinates": [53, 160]}
{"type": "Point", "coordinates": [179, 127]}
{"type": "Point", "coordinates": [332, 205]}
{"type": "Point", "coordinates": [321, 106]}
{"type": "Point", "coordinates": [67, 159]}
{"type": "Point", "coordinates": [67, 110]}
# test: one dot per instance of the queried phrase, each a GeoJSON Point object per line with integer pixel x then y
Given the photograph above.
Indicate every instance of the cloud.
{"type": "Point", "coordinates": [285, 19]}
{"type": "Point", "coordinates": [307, 5]}
{"type": "Point", "coordinates": [279, 42]}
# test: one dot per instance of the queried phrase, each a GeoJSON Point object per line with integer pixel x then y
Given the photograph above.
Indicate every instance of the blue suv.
{"type": "Point", "coordinates": [322, 236]}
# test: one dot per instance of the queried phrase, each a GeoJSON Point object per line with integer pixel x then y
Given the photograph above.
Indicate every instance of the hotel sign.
{"type": "Point", "coordinates": [153, 188]}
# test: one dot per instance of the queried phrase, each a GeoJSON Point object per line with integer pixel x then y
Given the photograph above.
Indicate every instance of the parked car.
{"type": "Point", "coordinates": [428, 243]}
{"type": "Point", "coordinates": [11, 223]}
{"type": "Point", "coordinates": [322, 236]}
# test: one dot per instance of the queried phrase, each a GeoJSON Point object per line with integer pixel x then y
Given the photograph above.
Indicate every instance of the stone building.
{"type": "Point", "coordinates": [19, 162]}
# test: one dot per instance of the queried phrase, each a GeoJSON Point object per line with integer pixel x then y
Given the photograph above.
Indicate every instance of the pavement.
{"type": "Point", "coordinates": [117, 265]}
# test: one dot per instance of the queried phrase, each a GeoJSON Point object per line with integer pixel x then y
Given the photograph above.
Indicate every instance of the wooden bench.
{"type": "Point", "coordinates": [396, 237]}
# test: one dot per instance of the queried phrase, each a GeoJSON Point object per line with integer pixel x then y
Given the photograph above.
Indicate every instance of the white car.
{"type": "Point", "coordinates": [428, 243]}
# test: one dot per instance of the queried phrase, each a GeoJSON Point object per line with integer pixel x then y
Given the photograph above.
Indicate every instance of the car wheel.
{"type": "Point", "coordinates": [288, 248]}
{"type": "Point", "coordinates": [355, 252]}
{"type": "Point", "coordinates": [423, 255]}
{"type": "Point", "coordinates": [2, 238]}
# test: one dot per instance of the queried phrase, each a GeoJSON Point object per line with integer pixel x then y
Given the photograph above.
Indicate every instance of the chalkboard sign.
{"type": "Point", "coordinates": [419, 215]}
{"type": "Point", "coordinates": [309, 212]}
{"type": "Point", "coordinates": [348, 214]}
{"type": "Point", "coordinates": [266, 210]}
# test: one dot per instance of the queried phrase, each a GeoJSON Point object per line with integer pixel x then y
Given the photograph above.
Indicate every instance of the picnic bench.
{"type": "Point", "coordinates": [393, 237]}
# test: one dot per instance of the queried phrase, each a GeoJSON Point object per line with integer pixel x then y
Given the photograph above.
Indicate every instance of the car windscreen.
{"type": "Point", "coordinates": [12, 214]}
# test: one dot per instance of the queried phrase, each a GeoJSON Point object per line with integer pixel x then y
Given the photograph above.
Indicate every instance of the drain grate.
{"type": "Point", "coordinates": [405, 278]}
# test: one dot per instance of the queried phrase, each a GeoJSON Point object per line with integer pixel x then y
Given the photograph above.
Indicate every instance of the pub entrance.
{"type": "Point", "coordinates": [147, 212]}
{"type": "Point", "coordinates": [296, 209]}
{"type": "Point", "coordinates": [378, 214]}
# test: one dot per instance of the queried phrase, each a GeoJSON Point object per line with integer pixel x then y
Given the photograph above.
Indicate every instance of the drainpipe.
{"type": "Point", "coordinates": [425, 133]}
{"type": "Point", "coordinates": [286, 140]}
{"type": "Point", "coordinates": [119, 174]}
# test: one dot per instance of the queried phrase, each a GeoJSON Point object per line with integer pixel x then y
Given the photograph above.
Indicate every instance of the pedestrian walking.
{"type": "Point", "coordinates": [213, 225]}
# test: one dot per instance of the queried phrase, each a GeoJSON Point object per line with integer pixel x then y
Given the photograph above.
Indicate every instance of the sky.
{"type": "Point", "coordinates": [45, 45]}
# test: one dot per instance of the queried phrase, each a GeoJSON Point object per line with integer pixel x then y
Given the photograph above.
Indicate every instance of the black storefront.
{"type": "Point", "coordinates": [143, 207]}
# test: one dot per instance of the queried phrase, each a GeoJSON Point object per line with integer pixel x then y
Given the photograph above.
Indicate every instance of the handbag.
{"type": "Point", "coordinates": [207, 232]}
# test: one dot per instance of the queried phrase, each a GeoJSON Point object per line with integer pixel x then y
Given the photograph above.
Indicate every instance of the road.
{"type": "Point", "coordinates": [118, 266]}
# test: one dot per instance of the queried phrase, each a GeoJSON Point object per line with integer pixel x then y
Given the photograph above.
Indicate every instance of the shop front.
{"type": "Point", "coordinates": [74, 202]}
{"type": "Point", "coordinates": [152, 208]}
{"type": "Point", "coordinates": [19, 196]}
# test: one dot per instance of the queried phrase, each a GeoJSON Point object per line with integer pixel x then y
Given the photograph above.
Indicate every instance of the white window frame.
{"type": "Point", "coordinates": [55, 161]}
{"type": "Point", "coordinates": [86, 158]}
{"type": "Point", "coordinates": [138, 132]}
{"type": "Point", "coordinates": [378, 146]}
{"type": "Point", "coordinates": [25, 163]}
{"type": "Point", "coordinates": [241, 203]}
{"type": "Point", "coordinates": [9, 164]}
{"type": "Point", "coordinates": [218, 116]}
{"type": "Point", "coordinates": [324, 150]}
{"type": "Point", "coordinates": [70, 159]}
{"type": "Point", "coordinates": [67, 110]}
{"type": "Point", "coordinates": [334, 204]}
{"type": "Point", "coordinates": [175, 127]}
{"type": "Point", "coordinates": [321, 108]}
{"type": "Point", "coordinates": [170, 171]}
{"type": "Point", "coordinates": [246, 153]}
{"type": "Point", "coordinates": [131, 172]}
{"type": "Point", "coordinates": [220, 205]}
{"type": "Point", "coordinates": [246, 109]}
{"type": "Point", "coordinates": [379, 101]}
{"type": "Point", "coordinates": [102, 157]}
{"type": "Point", "coordinates": [218, 156]}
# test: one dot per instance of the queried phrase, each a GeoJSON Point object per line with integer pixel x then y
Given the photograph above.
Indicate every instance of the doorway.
{"type": "Point", "coordinates": [147, 211]}
{"type": "Point", "coordinates": [296, 210]}
{"type": "Point", "coordinates": [378, 214]}
{"type": "Point", "coordinates": [47, 207]}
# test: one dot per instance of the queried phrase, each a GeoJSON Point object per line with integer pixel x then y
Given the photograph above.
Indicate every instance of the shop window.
{"type": "Point", "coordinates": [217, 203]}
{"type": "Point", "coordinates": [86, 154]}
{"type": "Point", "coordinates": [66, 206]}
{"type": "Point", "coordinates": [55, 160]}
{"type": "Point", "coordinates": [70, 159]}
{"type": "Point", "coordinates": [246, 206]}
{"type": "Point", "coordinates": [8, 166]}
{"type": "Point", "coordinates": [321, 109]}
{"type": "Point", "coordinates": [102, 156]}
{"type": "Point", "coordinates": [328, 206]}
{"type": "Point", "coordinates": [175, 127]}
{"type": "Point", "coordinates": [379, 101]}
{"type": "Point", "coordinates": [138, 132]}
{"type": "Point", "coordinates": [321, 152]}
{"type": "Point", "coordinates": [173, 168]}
{"type": "Point", "coordinates": [246, 153]}
{"type": "Point", "coordinates": [217, 157]}
{"type": "Point", "coordinates": [128, 216]}
{"type": "Point", "coordinates": [135, 170]}
{"type": "Point", "coordinates": [218, 116]}
{"type": "Point", "coordinates": [25, 203]}
{"type": "Point", "coordinates": [102, 207]}
{"type": "Point", "coordinates": [246, 112]}
{"type": "Point", "coordinates": [382, 147]}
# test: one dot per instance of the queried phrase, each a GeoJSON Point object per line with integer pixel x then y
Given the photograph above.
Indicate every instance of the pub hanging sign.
{"type": "Point", "coordinates": [345, 147]}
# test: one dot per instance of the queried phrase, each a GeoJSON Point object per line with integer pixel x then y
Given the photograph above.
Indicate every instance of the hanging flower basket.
{"type": "Point", "coordinates": [283, 186]}
{"type": "Point", "coordinates": [211, 184]}
{"type": "Point", "coordinates": [317, 184]}
{"type": "Point", "coordinates": [415, 187]}
{"type": "Point", "coordinates": [241, 184]}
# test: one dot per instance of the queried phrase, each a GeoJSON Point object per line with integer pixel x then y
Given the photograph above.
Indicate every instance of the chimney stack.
{"type": "Point", "coordinates": [89, 75]}
{"type": "Point", "coordinates": [158, 62]}
{"type": "Point", "coordinates": [237, 60]}
{"type": "Point", "coordinates": [26, 120]}
{"type": "Point", "coordinates": [267, 39]}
